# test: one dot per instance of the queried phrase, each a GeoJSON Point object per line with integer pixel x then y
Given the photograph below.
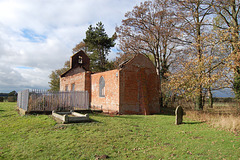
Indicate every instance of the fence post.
{"type": "Point", "coordinates": [87, 99]}
{"type": "Point", "coordinates": [27, 101]}
{"type": "Point", "coordinates": [19, 98]}
{"type": "Point", "coordinates": [23, 99]}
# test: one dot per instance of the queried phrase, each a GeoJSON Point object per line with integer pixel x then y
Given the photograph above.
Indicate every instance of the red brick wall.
{"type": "Point", "coordinates": [139, 87]}
{"type": "Point", "coordinates": [109, 103]}
{"type": "Point", "coordinates": [82, 81]}
{"type": "Point", "coordinates": [78, 79]}
{"type": "Point", "coordinates": [88, 84]}
{"type": "Point", "coordinates": [131, 90]}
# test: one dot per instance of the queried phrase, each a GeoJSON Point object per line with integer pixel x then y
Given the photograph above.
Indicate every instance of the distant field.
{"type": "Point", "coordinates": [225, 104]}
{"type": "Point", "coordinates": [119, 137]}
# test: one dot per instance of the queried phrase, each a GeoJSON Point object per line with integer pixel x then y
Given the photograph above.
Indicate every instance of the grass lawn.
{"type": "Point", "coordinates": [119, 137]}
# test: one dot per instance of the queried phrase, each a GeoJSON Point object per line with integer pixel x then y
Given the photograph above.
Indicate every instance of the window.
{"type": "Point", "coordinates": [66, 88]}
{"type": "Point", "coordinates": [101, 87]}
{"type": "Point", "coordinates": [73, 87]}
{"type": "Point", "coordinates": [80, 60]}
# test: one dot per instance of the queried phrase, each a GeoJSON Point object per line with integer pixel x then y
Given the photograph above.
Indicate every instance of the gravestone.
{"type": "Point", "coordinates": [179, 115]}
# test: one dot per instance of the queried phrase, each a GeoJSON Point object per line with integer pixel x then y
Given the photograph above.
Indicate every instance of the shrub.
{"type": "Point", "coordinates": [12, 98]}
{"type": "Point", "coordinates": [1, 99]}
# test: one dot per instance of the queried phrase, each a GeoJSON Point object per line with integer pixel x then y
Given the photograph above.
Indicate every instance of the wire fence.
{"type": "Point", "coordinates": [41, 100]}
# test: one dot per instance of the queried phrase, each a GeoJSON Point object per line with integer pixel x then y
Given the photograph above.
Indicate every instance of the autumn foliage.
{"type": "Point", "coordinates": [195, 45]}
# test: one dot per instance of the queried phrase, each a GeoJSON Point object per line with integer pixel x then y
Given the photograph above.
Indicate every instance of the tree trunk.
{"type": "Point", "coordinates": [199, 103]}
{"type": "Point", "coordinates": [158, 69]}
{"type": "Point", "coordinates": [235, 47]}
{"type": "Point", "coordinates": [210, 99]}
{"type": "Point", "coordinates": [199, 53]}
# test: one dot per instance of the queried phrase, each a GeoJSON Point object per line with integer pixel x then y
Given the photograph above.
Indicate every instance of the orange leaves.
{"type": "Point", "coordinates": [206, 72]}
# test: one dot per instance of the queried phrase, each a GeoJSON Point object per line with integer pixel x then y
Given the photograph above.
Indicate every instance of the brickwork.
{"type": "Point", "coordinates": [139, 87]}
{"type": "Point", "coordinates": [78, 78]}
{"type": "Point", "coordinates": [132, 89]}
{"type": "Point", "coordinates": [81, 81]}
{"type": "Point", "coordinates": [88, 84]}
{"type": "Point", "coordinates": [110, 102]}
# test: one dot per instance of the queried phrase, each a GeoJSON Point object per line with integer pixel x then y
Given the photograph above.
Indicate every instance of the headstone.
{"type": "Point", "coordinates": [179, 115]}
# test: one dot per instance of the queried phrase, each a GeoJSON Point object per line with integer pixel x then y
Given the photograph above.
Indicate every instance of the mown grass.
{"type": "Point", "coordinates": [119, 137]}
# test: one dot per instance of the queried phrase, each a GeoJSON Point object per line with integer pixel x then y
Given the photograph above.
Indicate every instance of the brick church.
{"type": "Point", "coordinates": [130, 89]}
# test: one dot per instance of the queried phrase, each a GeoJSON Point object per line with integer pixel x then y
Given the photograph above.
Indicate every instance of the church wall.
{"type": "Point", "coordinates": [139, 87]}
{"type": "Point", "coordinates": [78, 80]}
{"type": "Point", "coordinates": [110, 102]}
{"type": "Point", "coordinates": [132, 89]}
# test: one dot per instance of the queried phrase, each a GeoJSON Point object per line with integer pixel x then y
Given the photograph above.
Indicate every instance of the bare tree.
{"type": "Point", "coordinates": [80, 46]}
{"type": "Point", "coordinates": [228, 11]}
{"type": "Point", "coordinates": [193, 15]}
{"type": "Point", "coordinates": [148, 29]}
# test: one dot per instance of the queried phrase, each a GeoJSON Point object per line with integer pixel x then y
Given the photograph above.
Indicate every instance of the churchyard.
{"type": "Point", "coordinates": [112, 137]}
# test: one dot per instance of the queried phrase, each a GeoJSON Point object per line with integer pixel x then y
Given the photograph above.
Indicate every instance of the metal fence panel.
{"type": "Point", "coordinates": [19, 97]}
{"type": "Point", "coordinates": [48, 101]}
{"type": "Point", "coordinates": [22, 99]}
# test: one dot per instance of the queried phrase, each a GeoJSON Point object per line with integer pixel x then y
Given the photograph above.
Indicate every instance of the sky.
{"type": "Point", "coordinates": [37, 36]}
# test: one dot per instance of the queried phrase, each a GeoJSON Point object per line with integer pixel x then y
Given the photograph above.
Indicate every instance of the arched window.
{"type": "Point", "coordinates": [73, 87]}
{"type": "Point", "coordinates": [101, 87]}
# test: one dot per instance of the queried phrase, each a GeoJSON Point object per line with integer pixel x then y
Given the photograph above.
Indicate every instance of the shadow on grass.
{"type": "Point", "coordinates": [129, 117]}
{"type": "Point", "coordinates": [92, 121]}
{"type": "Point", "coordinates": [89, 121]}
{"type": "Point", "coordinates": [165, 114]}
{"type": "Point", "coordinates": [59, 122]}
{"type": "Point", "coordinates": [193, 122]}
{"type": "Point", "coordinates": [167, 111]}
{"type": "Point", "coordinates": [9, 115]}
{"type": "Point", "coordinates": [2, 110]}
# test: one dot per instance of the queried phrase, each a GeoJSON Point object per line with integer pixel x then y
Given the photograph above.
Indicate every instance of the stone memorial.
{"type": "Point", "coordinates": [179, 115]}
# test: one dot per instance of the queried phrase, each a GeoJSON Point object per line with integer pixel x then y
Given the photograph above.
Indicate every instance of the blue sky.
{"type": "Point", "coordinates": [32, 36]}
{"type": "Point", "coordinates": [37, 37]}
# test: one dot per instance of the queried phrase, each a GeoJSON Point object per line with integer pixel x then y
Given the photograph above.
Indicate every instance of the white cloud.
{"type": "Point", "coordinates": [37, 37]}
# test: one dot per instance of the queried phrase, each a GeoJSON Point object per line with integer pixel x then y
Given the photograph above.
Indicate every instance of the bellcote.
{"type": "Point", "coordinates": [80, 59]}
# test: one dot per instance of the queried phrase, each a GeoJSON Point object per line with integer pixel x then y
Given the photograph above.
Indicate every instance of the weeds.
{"type": "Point", "coordinates": [228, 122]}
{"type": "Point", "coordinates": [224, 114]}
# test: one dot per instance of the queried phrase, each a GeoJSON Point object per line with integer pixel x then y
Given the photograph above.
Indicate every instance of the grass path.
{"type": "Point", "coordinates": [119, 137]}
